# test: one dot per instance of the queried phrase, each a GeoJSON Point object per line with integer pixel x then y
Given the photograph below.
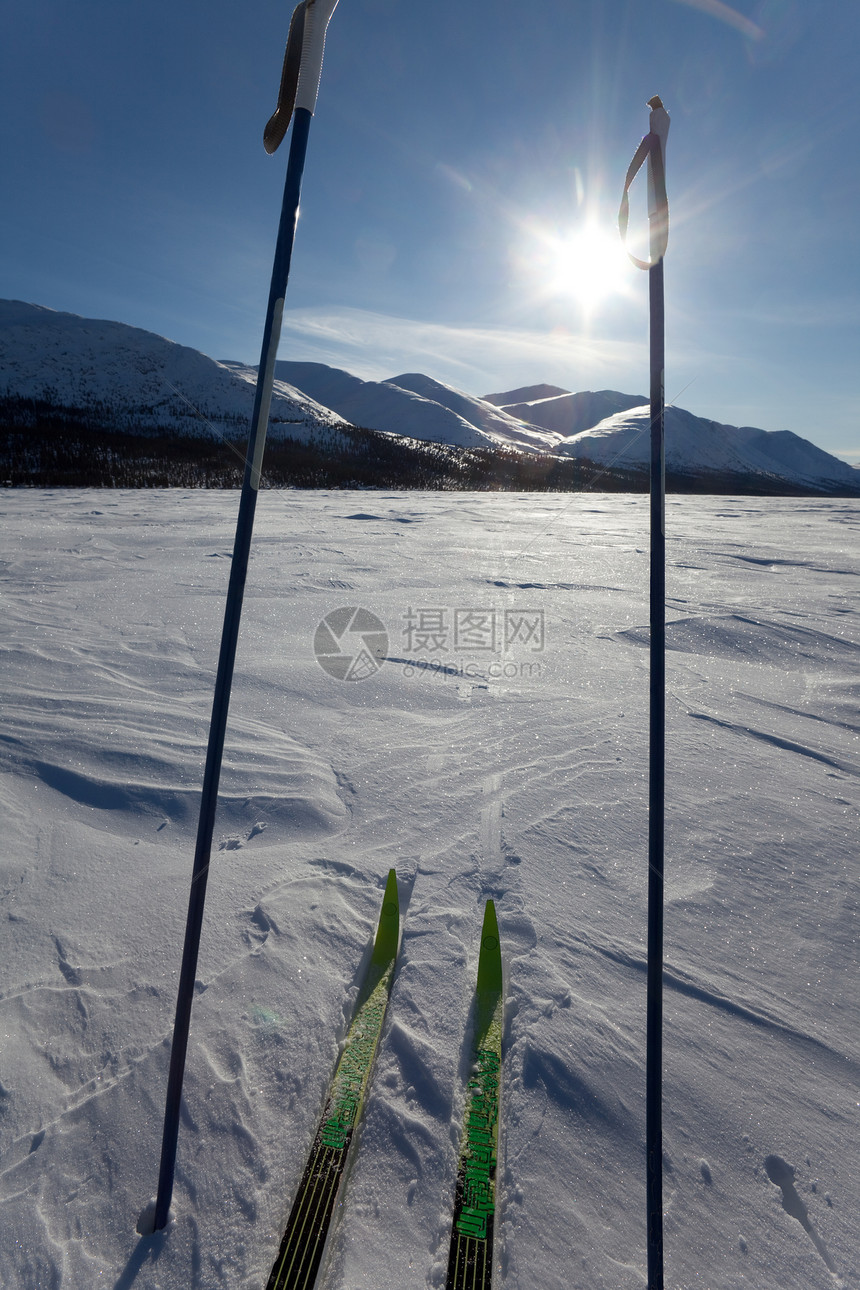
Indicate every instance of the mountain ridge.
{"type": "Point", "coordinates": [121, 379]}
{"type": "Point", "coordinates": [429, 408]}
{"type": "Point", "coordinates": [136, 380]}
{"type": "Point", "coordinates": [565, 413]}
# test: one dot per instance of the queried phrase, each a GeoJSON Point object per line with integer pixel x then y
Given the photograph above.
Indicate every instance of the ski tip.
{"type": "Point", "coordinates": [388, 927]}
{"type": "Point", "coordinates": [490, 957]}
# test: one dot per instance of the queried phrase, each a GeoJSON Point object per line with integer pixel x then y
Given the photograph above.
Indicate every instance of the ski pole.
{"type": "Point", "coordinates": [653, 147]}
{"type": "Point", "coordinates": [297, 99]}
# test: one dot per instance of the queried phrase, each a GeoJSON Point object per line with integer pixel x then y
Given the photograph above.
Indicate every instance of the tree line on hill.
{"type": "Point", "coordinates": [43, 445]}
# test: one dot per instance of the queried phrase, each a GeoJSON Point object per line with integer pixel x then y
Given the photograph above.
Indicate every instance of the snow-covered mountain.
{"type": "Point", "coordinates": [501, 425]}
{"type": "Point", "coordinates": [608, 427]}
{"type": "Point", "coordinates": [121, 378]}
{"type": "Point", "coordinates": [523, 394]}
{"type": "Point", "coordinates": [696, 446]}
{"type": "Point", "coordinates": [134, 380]}
{"type": "Point", "coordinates": [561, 412]}
{"type": "Point", "coordinates": [418, 406]}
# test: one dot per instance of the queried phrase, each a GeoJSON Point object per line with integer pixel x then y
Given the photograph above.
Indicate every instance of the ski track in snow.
{"type": "Point", "coordinates": [479, 767]}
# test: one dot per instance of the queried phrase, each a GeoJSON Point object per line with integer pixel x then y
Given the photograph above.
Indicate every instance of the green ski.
{"type": "Point", "coordinates": [470, 1262]}
{"type": "Point", "coordinates": [302, 1248]}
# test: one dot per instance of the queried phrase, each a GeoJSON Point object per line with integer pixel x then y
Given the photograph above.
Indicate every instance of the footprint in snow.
{"type": "Point", "coordinates": [781, 1174]}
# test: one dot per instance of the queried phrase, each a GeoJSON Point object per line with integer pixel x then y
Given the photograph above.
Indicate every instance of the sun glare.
{"type": "Point", "coordinates": [587, 265]}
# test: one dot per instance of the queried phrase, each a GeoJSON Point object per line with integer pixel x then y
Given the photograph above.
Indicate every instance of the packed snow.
{"type": "Point", "coordinates": [498, 751]}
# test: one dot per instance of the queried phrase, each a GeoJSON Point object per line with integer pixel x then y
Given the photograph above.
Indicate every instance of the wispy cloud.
{"type": "Point", "coordinates": [830, 314]}
{"type": "Point", "coordinates": [725, 13]}
{"type": "Point", "coordinates": [477, 359]}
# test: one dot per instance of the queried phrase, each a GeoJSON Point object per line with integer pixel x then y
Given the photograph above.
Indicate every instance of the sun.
{"type": "Point", "coordinates": [591, 265]}
{"type": "Point", "coordinates": [586, 264]}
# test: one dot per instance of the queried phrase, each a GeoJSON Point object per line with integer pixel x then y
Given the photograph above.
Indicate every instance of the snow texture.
{"type": "Point", "coordinates": [500, 750]}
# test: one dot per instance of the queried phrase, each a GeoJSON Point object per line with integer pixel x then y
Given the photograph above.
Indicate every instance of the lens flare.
{"type": "Point", "coordinates": [587, 265]}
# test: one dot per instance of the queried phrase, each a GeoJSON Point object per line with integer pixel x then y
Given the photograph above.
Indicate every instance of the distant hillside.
{"type": "Point", "coordinates": [109, 375]}
{"type": "Point", "coordinates": [527, 393]}
{"type": "Point", "coordinates": [40, 446]}
{"type": "Point", "coordinates": [500, 425]}
{"type": "Point", "coordinates": [94, 402]}
{"type": "Point", "coordinates": [417, 406]}
{"type": "Point", "coordinates": [566, 414]}
{"type": "Point", "coordinates": [704, 451]}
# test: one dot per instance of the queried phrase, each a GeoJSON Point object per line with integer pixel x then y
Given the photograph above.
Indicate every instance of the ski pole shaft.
{"type": "Point", "coordinates": [658, 232]}
{"type": "Point", "coordinates": [653, 149]}
{"type": "Point", "coordinates": [304, 51]}
{"type": "Point", "coordinates": [656, 794]}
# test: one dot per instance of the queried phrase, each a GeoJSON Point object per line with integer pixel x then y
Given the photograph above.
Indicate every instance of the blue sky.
{"type": "Point", "coordinates": [464, 170]}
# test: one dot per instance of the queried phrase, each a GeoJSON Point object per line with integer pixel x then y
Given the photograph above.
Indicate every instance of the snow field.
{"type": "Point", "coordinates": [476, 772]}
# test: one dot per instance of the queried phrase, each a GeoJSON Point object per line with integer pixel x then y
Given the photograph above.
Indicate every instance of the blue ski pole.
{"type": "Point", "coordinates": [653, 147]}
{"type": "Point", "coordinates": [297, 98]}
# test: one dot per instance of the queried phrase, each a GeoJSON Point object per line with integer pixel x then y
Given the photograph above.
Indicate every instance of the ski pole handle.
{"type": "Point", "coordinates": [658, 202]}
{"type": "Point", "coordinates": [278, 123]}
{"type": "Point", "coordinates": [300, 78]}
{"type": "Point", "coordinates": [317, 16]}
{"type": "Point", "coordinates": [652, 147]}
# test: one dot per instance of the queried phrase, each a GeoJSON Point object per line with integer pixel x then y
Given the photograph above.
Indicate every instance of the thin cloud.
{"type": "Point", "coordinates": [478, 359]}
{"type": "Point", "coordinates": [725, 13]}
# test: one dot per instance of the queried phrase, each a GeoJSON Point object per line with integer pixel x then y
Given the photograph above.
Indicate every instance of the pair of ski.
{"type": "Point", "coordinates": [470, 1260]}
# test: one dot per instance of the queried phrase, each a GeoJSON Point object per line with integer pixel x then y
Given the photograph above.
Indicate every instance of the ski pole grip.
{"type": "Point", "coordinates": [279, 122]}
{"type": "Point", "coordinates": [658, 124]}
{"type": "Point", "coordinates": [658, 203]}
{"type": "Point", "coordinates": [653, 149]}
{"type": "Point", "coordinates": [317, 16]}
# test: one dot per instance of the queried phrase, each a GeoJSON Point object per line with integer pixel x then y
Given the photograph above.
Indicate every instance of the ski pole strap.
{"type": "Point", "coordinates": [300, 78]}
{"type": "Point", "coordinates": [651, 148]}
{"type": "Point", "coordinates": [278, 123]}
{"type": "Point", "coordinates": [317, 16]}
